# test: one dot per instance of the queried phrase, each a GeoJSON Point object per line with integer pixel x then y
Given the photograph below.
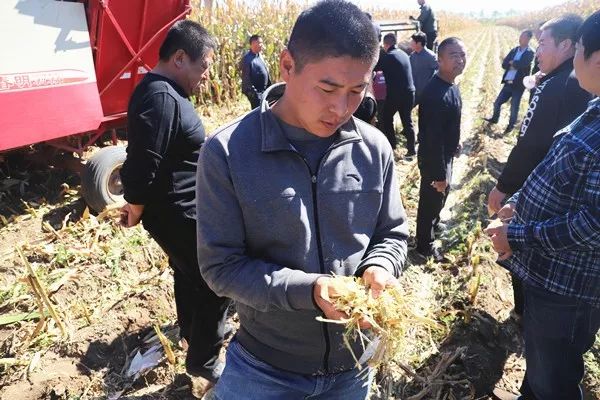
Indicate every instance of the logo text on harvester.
{"type": "Point", "coordinates": [532, 106]}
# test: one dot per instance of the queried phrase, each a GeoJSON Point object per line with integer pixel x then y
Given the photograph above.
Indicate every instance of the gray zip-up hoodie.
{"type": "Point", "coordinates": [268, 228]}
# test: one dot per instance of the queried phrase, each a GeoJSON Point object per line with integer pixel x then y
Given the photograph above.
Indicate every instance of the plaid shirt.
{"type": "Point", "coordinates": [555, 233]}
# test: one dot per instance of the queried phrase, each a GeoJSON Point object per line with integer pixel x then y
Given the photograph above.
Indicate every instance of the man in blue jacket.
{"type": "Point", "coordinates": [423, 63]}
{"type": "Point", "coordinates": [516, 65]}
{"type": "Point", "coordinates": [255, 74]}
{"type": "Point", "coordinates": [291, 194]}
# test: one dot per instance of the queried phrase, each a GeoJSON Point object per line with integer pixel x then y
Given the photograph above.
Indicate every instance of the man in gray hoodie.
{"type": "Point", "coordinates": [289, 195]}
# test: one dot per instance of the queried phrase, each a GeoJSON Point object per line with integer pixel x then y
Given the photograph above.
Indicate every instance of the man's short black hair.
{"type": "Point", "coordinates": [390, 39]}
{"type": "Point", "coordinates": [527, 32]}
{"type": "Point", "coordinates": [332, 28]}
{"type": "Point", "coordinates": [447, 42]}
{"type": "Point", "coordinates": [589, 34]}
{"type": "Point", "coordinates": [563, 28]}
{"type": "Point", "coordinates": [188, 36]}
{"type": "Point", "coordinates": [420, 37]}
{"type": "Point", "coordinates": [254, 38]}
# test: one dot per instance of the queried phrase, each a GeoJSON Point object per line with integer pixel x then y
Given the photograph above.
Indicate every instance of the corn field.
{"type": "Point", "coordinates": [233, 22]}
{"type": "Point", "coordinates": [534, 19]}
{"type": "Point", "coordinates": [83, 300]}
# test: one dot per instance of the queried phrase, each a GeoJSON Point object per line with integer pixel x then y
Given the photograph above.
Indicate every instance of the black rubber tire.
{"type": "Point", "coordinates": [96, 174]}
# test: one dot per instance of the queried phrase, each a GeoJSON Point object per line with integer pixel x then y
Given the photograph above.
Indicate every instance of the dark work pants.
{"type": "Point", "coordinates": [402, 105]}
{"type": "Point", "coordinates": [201, 314]}
{"type": "Point", "coordinates": [431, 203]}
{"type": "Point", "coordinates": [558, 330]}
{"type": "Point", "coordinates": [508, 92]}
{"type": "Point", "coordinates": [431, 36]}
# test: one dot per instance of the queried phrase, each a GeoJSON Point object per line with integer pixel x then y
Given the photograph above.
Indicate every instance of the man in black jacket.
{"type": "Point", "coordinates": [255, 74]}
{"type": "Point", "coordinates": [556, 101]}
{"type": "Point", "coordinates": [159, 180]}
{"type": "Point", "coordinates": [428, 23]}
{"type": "Point", "coordinates": [400, 96]}
{"type": "Point", "coordinates": [440, 110]}
{"type": "Point", "coordinates": [516, 65]}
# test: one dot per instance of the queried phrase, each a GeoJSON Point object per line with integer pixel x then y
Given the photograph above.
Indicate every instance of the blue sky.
{"type": "Point", "coordinates": [466, 6]}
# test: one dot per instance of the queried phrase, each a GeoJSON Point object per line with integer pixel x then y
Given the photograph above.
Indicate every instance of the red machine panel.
{"type": "Point", "coordinates": [69, 68]}
{"type": "Point", "coordinates": [126, 36]}
{"type": "Point", "coordinates": [47, 83]}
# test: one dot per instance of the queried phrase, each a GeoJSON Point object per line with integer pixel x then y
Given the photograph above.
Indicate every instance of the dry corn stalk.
{"type": "Point", "coordinates": [389, 315]}
{"type": "Point", "coordinates": [41, 294]}
{"type": "Point", "coordinates": [166, 345]}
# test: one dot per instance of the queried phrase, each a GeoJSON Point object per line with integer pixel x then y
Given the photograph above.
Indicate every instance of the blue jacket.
{"type": "Point", "coordinates": [255, 74]}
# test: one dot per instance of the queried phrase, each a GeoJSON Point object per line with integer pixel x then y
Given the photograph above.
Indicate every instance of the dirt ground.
{"type": "Point", "coordinates": [111, 287]}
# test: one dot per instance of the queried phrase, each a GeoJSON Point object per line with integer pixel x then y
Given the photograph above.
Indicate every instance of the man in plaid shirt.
{"type": "Point", "coordinates": [552, 243]}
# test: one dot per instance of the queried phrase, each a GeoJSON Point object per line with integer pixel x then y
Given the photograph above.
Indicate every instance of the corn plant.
{"type": "Point", "coordinates": [232, 22]}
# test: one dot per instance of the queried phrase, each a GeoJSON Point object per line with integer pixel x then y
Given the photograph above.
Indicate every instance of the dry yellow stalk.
{"type": "Point", "coordinates": [13, 361]}
{"type": "Point", "coordinates": [43, 296]}
{"type": "Point", "coordinates": [389, 315]}
{"type": "Point", "coordinates": [166, 345]}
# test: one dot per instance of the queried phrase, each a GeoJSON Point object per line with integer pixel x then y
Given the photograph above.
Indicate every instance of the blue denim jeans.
{"type": "Point", "coordinates": [508, 92]}
{"type": "Point", "coordinates": [558, 330]}
{"type": "Point", "coordinates": [245, 377]}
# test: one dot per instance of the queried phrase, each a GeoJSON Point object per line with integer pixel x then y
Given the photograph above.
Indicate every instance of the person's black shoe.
{"type": "Point", "coordinates": [491, 120]}
{"type": "Point", "coordinates": [434, 252]}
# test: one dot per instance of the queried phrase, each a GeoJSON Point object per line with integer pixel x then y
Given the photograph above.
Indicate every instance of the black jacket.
{"type": "Point", "coordinates": [440, 111]}
{"type": "Point", "coordinates": [555, 103]}
{"type": "Point", "coordinates": [427, 19]}
{"type": "Point", "coordinates": [164, 136]}
{"type": "Point", "coordinates": [396, 68]}
{"type": "Point", "coordinates": [523, 65]}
